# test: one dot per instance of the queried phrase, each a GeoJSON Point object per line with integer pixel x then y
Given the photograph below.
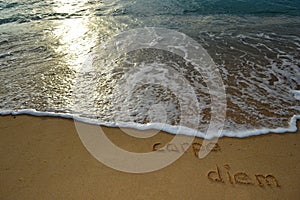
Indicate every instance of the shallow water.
{"type": "Point", "coordinates": [255, 45]}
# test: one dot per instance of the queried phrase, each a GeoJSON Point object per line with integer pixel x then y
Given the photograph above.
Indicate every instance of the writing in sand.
{"type": "Point", "coordinates": [183, 147]}
{"type": "Point", "coordinates": [224, 175]}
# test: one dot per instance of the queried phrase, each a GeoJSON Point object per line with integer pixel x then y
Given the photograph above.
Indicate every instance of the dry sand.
{"type": "Point", "coordinates": [43, 158]}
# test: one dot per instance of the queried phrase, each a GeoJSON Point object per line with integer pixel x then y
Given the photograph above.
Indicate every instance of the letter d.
{"type": "Point", "coordinates": [214, 175]}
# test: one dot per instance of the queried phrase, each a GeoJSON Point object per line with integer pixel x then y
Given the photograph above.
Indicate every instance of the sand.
{"type": "Point", "coordinates": [43, 158]}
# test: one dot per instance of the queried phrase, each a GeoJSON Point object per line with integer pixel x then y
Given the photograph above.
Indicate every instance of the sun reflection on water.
{"type": "Point", "coordinates": [73, 35]}
{"type": "Point", "coordinates": [68, 6]}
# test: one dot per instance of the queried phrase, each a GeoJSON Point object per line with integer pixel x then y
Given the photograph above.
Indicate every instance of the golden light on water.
{"type": "Point", "coordinates": [68, 6]}
{"type": "Point", "coordinates": [71, 38]}
{"type": "Point", "coordinates": [73, 34]}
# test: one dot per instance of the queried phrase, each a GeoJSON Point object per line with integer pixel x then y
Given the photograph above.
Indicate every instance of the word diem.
{"type": "Point", "coordinates": [222, 176]}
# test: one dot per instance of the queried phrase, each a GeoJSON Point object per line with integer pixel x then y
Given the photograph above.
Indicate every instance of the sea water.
{"type": "Point", "coordinates": [45, 45]}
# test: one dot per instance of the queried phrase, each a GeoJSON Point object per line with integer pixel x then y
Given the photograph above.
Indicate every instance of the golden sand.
{"type": "Point", "coordinates": [43, 158]}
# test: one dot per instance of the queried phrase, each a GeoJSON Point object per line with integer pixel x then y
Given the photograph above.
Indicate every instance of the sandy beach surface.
{"type": "Point", "coordinates": [43, 158]}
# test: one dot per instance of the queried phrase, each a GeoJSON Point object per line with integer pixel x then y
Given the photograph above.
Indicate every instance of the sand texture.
{"type": "Point", "coordinates": [43, 158]}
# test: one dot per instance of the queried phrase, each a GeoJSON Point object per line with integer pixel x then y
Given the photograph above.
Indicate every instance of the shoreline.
{"type": "Point", "coordinates": [43, 157]}
{"type": "Point", "coordinates": [170, 129]}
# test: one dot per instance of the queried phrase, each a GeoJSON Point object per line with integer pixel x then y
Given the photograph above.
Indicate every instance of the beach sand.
{"type": "Point", "coordinates": [43, 158]}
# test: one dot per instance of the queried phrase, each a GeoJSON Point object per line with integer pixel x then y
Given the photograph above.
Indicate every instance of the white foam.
{"type": "Point", "coordinates": [159, 126]}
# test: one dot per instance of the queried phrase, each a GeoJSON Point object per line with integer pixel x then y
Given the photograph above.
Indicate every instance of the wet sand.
{"type": "Point", "coordinates": [43, 158]}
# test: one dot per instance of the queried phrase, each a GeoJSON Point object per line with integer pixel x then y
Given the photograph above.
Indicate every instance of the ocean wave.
{"type": "Point", "coordinates": [257, 56]}
{"type": "Point", "coordinates": [158, 126]}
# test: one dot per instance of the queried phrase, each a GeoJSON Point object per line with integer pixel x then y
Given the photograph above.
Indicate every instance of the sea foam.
{"type": "Point", "coordinates": [158, 126]}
